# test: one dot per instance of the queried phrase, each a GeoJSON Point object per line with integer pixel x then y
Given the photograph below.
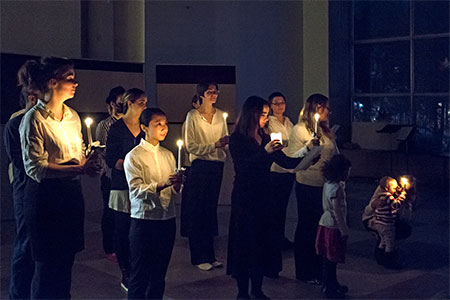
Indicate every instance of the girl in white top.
{"type": "Point", "coordinates": [332, 233]}
{"type": "Point", "coordinates": [53, 155]}
{"type": "Point", "coordinates": [206, 136]}
{"type": "Point", "coordinates": [309, 184]}
{"type": "Point", "coordinates": [281, 181]}
{"type": "Point", "coordinates": [149, 169]}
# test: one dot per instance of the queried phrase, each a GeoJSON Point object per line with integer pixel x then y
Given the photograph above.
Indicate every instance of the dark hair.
{"type": "Point", "coordinates": [276, 94]}
{"type": "Point", "coordinates": [114, 93]}
{"type": "Point", "coordinates": [248, 119]}
{"type": "Point", "coordinates": [310, 108]}
{"type": "Point", "coordinates": [27, 72]}
{"type": "Point", "coordinates": [195, 98]}
{"type": "Point", "coordinates": [36, 75]}
{"type": "Point", "coordinates": [130, 95]}
{"type": "Point", "coordinates": [334, 169]}
{"type": "Point", "coordinates": [202, 87]}
{"type": "Point", "coordinates": [148, 113]}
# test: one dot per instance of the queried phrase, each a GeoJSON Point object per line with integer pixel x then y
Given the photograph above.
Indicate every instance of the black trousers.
{"type": "Point", "coordinates": [52, 279]}
{"type": "Point", "coordinates": [121, 241]}
{"type": "Point", "coordinates": [281, 188]}
{"type": "Point", "coordinates": [107, 216]}
{"type": "Point", "coordinates": [308, 264]}
{"type": "Point", "coordinates": [199, 209]}
{"type": "Point", "coordinates": [22, 263]}
{"type": "Point", "coordinates": [151, 244]}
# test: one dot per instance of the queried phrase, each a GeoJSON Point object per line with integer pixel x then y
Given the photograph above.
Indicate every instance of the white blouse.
{"type": "Point", "coordinates": [44, 140]}
{"type": "Point", "coordinates": [146, 165]}
{"type": "Point", "coordinates": [334, 208]}
{"type": "Point", "coordinates": [276, 126]}
{"type": "Point", "coordinates": [201, 136]}
{"type": "Point", "coordinates": [300, 136]}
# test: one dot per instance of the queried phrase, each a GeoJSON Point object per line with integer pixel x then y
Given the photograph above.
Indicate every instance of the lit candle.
{"type": "Point", "coordinates": [316, 117]}
{"type": "Point", "coordinates": [404, 182]}
{"type": "Point", "coordinates": [225, 117]}
{"type": "Point", "coordinates": [89, 122]}
{"type": "Point", "coordinates": [179, 144]}
{"type": "Point", "coordinates": [276, 136]}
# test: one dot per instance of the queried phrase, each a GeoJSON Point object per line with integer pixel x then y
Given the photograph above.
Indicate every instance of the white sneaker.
{"type": "Point", "coordinates": [217, 264]}
{"type": "Point", "coordinates": [205, 266]}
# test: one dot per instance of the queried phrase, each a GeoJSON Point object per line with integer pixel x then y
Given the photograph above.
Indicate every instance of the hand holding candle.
{"type": "Point", "coordinates": [316, 117]}
{"type": "Point", "coordinates": [404, 182]}
{"type": "Point", "coordinates": [180, 145]}
{"type": "Point", "coordinates": [89, 122]}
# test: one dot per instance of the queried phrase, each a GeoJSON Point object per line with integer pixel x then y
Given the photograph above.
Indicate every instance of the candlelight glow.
{"type": "Point", "coordinates": [180, 143]}
{"type": "Point", "coordinates": [316, 117]}
{"type": "Point", "coordinates": [404, 181]}
{"type": "Point", "coordinates": [88, 121]}
{"type": "Point", "coordinates": [225, 115]}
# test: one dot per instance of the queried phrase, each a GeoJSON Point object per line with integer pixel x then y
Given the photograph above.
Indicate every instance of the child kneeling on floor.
{"type": "Point", "coordinates": [332, 234]}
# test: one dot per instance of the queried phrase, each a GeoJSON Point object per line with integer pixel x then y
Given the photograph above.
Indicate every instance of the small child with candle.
{"type": "Point", "coordinates": [386, 203]}
{"type": "Point", "coordinates": [332, 234]}
{"type": "Point", "coordinates": [149, 170]}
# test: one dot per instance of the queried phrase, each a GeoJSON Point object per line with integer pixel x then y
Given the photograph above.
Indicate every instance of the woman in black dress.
{"type": "Point", "coordinates": [252, 153]}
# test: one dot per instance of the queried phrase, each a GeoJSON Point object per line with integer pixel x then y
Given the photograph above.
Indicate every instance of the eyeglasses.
{"type": "Point", "coordinates": [278, 103]}
{"type": "Point", "coordinates": [212, 92]}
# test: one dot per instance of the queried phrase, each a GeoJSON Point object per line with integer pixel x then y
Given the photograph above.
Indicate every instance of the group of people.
{"type": "Point", "coordinates": [139, 179]}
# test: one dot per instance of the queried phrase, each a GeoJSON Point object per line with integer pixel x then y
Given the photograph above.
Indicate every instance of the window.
{"type": "Point", "coordinates": [401, 67]}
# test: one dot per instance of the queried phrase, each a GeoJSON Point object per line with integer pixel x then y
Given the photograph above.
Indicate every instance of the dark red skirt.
{"type": "Point", "coordinates": [329, 244]}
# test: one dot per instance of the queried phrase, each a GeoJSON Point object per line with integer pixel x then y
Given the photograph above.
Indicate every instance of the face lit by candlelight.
{"type": "Point", "coordinates": [392, 186]}
{"type": "Point", "coordinates": [65, 86]}
{"type": "Point", "coordinates": [324, 111]}
{"type": "Point", "coordinates": [278, 105]}
{"type": "Point", "coordinates": [264, 118]}
{"type": "Point", "coordinates": [210, 94]}
{"type": "Point", "coordinates": [157, 129]}
{"type": "Point", "coordinates": [140, 104]}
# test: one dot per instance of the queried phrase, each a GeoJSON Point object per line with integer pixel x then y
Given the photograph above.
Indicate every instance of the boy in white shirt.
{"type": "Point", "coordinates": [150, 173]}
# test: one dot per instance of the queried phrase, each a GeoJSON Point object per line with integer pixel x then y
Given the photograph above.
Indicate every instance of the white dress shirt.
{"type": "Point", "coordinates": [145, 166]}
{"type": "Point", "coordinates": [45, 140]}
{"type": "Point", "coordinates": [276, 126]}
{"type": "Point", "coordinates": [201, 136]}
{"type": "Point", "coordinates": [300, 136]}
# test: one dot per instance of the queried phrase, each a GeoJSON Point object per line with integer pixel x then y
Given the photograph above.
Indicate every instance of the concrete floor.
{"type": "Point", "coordinates": [425, 256]}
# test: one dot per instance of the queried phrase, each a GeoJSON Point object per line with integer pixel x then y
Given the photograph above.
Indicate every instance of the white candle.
{"type": "Point", "coordinates": [404, 182]}
{"type": "Point", "coordinates": [179, 144]}
{"type": "Point", "coordinates": [88, 122]}
{"type": "Point", "coordinates": [276, 136]}
{"type": "Point", "coordinates": [316, 117]}
{"type": "Point", "coordinates": [225, 117]}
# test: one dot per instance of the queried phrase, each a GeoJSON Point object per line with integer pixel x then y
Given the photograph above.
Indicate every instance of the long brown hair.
{"type": "Point", "coordinates": [310, 109]}
{"type": "Point", "coordinates": [248, 120]}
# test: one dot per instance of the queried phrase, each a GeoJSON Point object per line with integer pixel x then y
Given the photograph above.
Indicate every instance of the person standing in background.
{"type": "Point", "coordinates": [101, 133]}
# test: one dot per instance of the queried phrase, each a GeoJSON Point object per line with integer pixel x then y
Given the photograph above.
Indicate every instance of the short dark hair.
{"type": "Point", "coordinates": [114, 93]}
{"type": "Point", "coordinates": [276, 94]}
{"type": "Point", "coordinates": [148, 113]}
{"type": "Point", "coordinates": [335, 168]}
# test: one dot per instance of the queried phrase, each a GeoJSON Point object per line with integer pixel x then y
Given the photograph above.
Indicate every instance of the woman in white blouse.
{"type": "Point", "coordinates": [309, 184]}
{"type": "Point", "coordinates": [281, 182]}
{"type": "Point", "coordinates": [206, 136]}
{"type": "Point", "coordinates": [149, 170]}
{"type": "Point", "coordinates": [53, 155]}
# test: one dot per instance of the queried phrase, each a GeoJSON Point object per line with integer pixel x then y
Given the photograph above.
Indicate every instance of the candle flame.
{"type": "Point", "coordinates": [225, 115]}
{"type": "Point", "coordinates": [180, 143]}
{"type": "Point", "coordinates": [316, 117]}
{"type": "Point", "coordinates": [404, 181]}
{"type": "Point", "coordinates": [88, 121]}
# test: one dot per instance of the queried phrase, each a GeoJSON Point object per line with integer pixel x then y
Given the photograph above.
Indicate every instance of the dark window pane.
{"type": "Point", "coordinates": [380, 19]}
{"type": "Point", "coordinates": [394, 110]}
{"type": "Point", "coordinates": [382, 68]}
{"type": "Point", "coordinates": [431, 65]}
{"type": "Point", "coordinates": [432, 121]}
{"type": "Point", "coordinates": [431, 17]}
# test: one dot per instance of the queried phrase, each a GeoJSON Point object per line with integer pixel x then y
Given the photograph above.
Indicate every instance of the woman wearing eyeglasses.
{"type": "Point", "coordinates": [309, 184]}
{"type": "Point", "coordinates": [206, 136]}
{"type": "Point", "coordinates": [281, 182]}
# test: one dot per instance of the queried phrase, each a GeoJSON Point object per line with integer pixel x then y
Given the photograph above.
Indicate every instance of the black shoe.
{"type": "Point", "coordinates": [332, 293]}
{"type": "Point", "coordinates": [259, 295]}
{"type": "Point", "coordinates": [391, 261]}
{"type": "Point", "coordinates": [379, 255]}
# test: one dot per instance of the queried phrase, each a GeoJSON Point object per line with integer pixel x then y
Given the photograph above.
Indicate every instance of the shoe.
{"type": "Point", "coordinates": [332, 293]}
{"type": "Point", "coordinates": [379, 255]}
{"type": "Point", "coordinates": [124, 286]}
{"type": "Point", "coordinates": [217, 264]}
{"type": "Point", "coordinates": [111, 257]}
{"type": "Point", "coordinates": [259, 295]}
{"type": "Point", "coordinates": [205, 266]}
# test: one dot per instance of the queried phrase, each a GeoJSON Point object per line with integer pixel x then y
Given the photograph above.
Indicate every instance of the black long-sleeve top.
{"type": "Point", "coordinates": [120, 141]}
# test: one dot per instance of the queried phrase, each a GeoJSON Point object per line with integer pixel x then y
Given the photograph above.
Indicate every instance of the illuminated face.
{"type": "Point", "coordinates": [264, 118]}
{"type": "Point", "coordinates": [139, 105]}
{"type": "Point", "coordinates": [157, 129]}
{"type": "Point", "coordinates": [392, 186]}
{"type": "Point", "coordinates": [66, 86]}
{"type": "Point", "coordinates": [324, 112]}
{"type": "Point", "coordinates": [211, 94]}
{"type": "Point", "coordinates": [278, 105]}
